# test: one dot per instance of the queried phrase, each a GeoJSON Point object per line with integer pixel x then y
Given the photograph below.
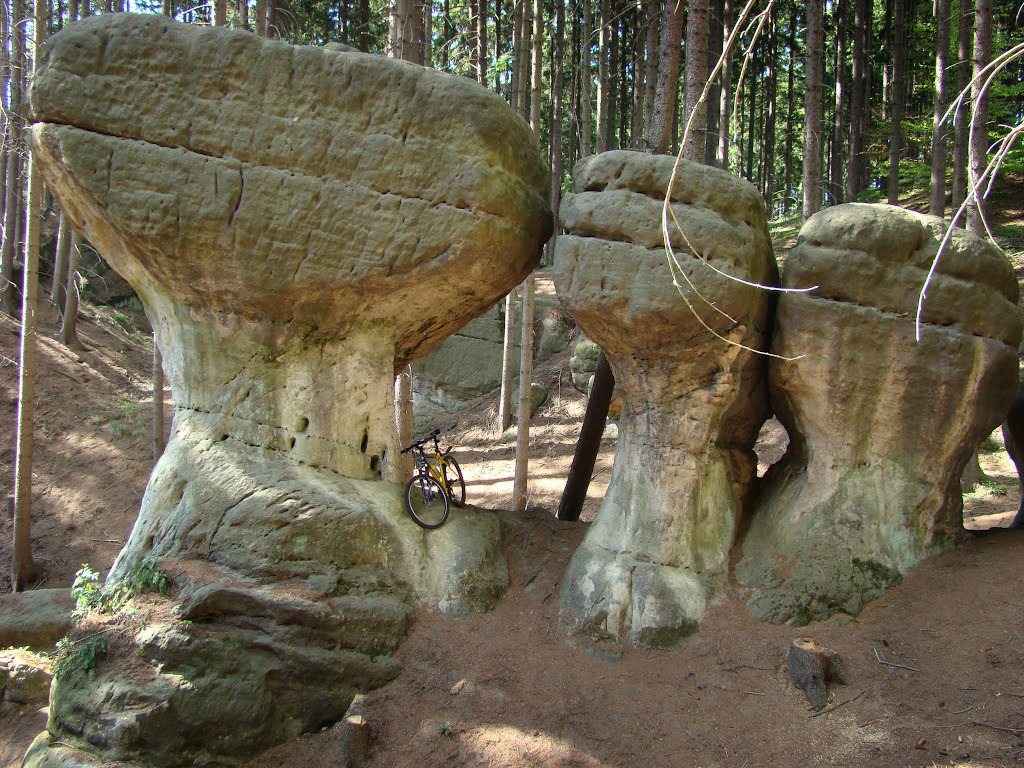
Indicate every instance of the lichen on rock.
{"type": "Point", "coordinates": [692, 403]}
{"type": "Point", "coordinates": [299, 223]}
{"type": "Point", "coordinates": [880, 424]}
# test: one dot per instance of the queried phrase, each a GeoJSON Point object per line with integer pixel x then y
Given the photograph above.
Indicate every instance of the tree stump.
{"type": "Point", "coordinates": [812, 667]}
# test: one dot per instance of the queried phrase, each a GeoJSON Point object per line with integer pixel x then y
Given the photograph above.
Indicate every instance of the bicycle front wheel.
{"type": "Point", "coordinates": [453, 481]}
{"type": "Point", "coordinates": [426, 502]}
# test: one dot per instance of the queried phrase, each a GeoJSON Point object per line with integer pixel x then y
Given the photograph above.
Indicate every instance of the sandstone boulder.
{"type": "Point", "coordinates": [37, 618]}
{"type": "Point", "coordinates": [299, 223]}
{"type": "Point", "coordinates": [692, 404]}
{"type": "Point", "coordinates": [880, 425]}
{"type": "Point", "coordinates": [24, 679]}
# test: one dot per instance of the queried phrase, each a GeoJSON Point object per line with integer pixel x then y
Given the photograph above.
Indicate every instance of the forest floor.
{"type": "Point", "coordinates": [935, 668]}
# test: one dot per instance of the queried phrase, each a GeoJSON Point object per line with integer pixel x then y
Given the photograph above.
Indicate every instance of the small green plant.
{"type": "Point", "coordinates": [131, 418]}
{"type": "Point", "coordinates": [122, 320]}
{"type": "Point", "coordinates": [80, 656]}
{"type": "Point", "coordinates": [89, 593]}
{"type": "Point", "coordinates": [86, 591]}
{"type": "Point", "coordinates": [445, 728]}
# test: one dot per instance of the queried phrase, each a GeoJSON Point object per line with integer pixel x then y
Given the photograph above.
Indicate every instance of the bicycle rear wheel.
{"type": "Point", "coordinates": [454, 483]}
{"type": "Point", "coordinates": [426, 502]}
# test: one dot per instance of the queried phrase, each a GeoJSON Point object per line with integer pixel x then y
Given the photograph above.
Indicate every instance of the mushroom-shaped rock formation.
{"type": "Point", "coordinates": [880, 425]}
{"type": "Point", "coordinates": [299, 222]}
{"type": "Point", "coordinates": [692, 403]}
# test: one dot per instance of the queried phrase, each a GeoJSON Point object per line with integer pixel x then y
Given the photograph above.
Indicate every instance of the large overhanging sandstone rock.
{"type": "Point", "coordinates": [880, 426]}
{"type": "Point", "coordinates": [299, 223]}
{"type": "Point", "coordinates": [692, 404]}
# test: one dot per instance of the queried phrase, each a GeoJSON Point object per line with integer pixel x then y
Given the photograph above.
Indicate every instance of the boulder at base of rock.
{"type": "Point", "coordinates": [880, 424]}
{"type": "Point", "coordinates": [692, 403]}
{"type": "Point", "coordinates": [538, 396]}
{"type": "Point", "coordinates": [37, 618]}
{"type": "Point", "coordinates": [300, 223]}
{"type": "Point", "coordinates": [24, 678]}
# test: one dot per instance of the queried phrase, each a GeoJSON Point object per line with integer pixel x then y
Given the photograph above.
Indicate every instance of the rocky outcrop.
{"type": "Point", "coordinates": [24, 679]}
{"type": "Point", "coordinates": [37, 618]}
{"type": "Point", "coordinates": [880, 424]}
{"type": "Point", "coordinates": [280, 212]}
{"type": "Point", "coordinates": [692, 404]}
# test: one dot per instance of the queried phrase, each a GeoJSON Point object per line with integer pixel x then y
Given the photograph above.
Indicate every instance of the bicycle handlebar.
{"type": "Point", "coordinates": [423, 441]}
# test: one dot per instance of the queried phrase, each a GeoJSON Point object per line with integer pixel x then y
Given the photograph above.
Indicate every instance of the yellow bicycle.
{"type": "Point", "coordinates": [438, 481]}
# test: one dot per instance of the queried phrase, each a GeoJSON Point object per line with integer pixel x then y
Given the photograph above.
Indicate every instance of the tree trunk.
{"type": "Point", "coordinates": [586, 74]}
{"type": "Point", "coordinates": [538, 67]}
{"type": "Point", "coordinates": [660, 133]}
{"type": "Point", "coordinates": [788, 201]}
{"type": "Point", "coordinates": [937, 199]}
{"type": "Point", "coordinates": [715, 44]}
{"type": "Point", "coordinates": [725, 93]}
{"type": "Point", "coordinates": [220, 13]}
{"type": "Point", "coordinates": [158, 439]}
{"type": "Point", "coordinates": [979, 117]}
{"type": "Point", "coordinates": [58, 286]}
{"type": "Point", "coordinates": [403, 420]}
{"type": "Point", "coordinates": [835, 158]}
{"type": "Point", "coordinates": [507, 350]}
{"type": "Point", "coordinates": [589, 442]}
{"type": "Point", "coordinates": [639, 70]}
{"type": "Point", "coordinates": [962, 119]}
{"type": "Point", "coordinates": [857, 100]}
{"type": "Point", "coordinates": [517, 33]}
{"type": "Point", "coordinates": [261, 18]}
{"type": "Point", "coordinates": [752, 123]}
{"type": "Point", "coordinates": [23, 568]}
{"type": "Point", "coordinates": [695, 114]}
{"type": "Point", "coordinates": [555, 194]}
{"type": "Point", "coordinates": [69, 326]}
{"type": "Point", "coordinates": [520, 484]}
{"type": "Point", "coordinates": [481, 42]}
{"type": "Point", "coordinates": [243, 13]}
{"type": "Point", "coordinates": [813, 107]}
{"type": "Point", "coordinates": [897, 88]}
{"type": "Point", "coordinates": [652, 15]}
{"type": "Point", "coordinates": [602, 78]}
{"type": "Point", "coordinates": [524, 60]}
{"type": "Point", "coordinates": [14, 145]}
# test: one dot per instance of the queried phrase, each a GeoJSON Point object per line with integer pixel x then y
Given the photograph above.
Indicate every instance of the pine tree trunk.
{"type": "Point", "coordinates": [813, 107]}
{"type": "Point", "coordinates": [261, 18]}
{"type": "Point", "coordinates": [857, 104]}
{"type": "Point", "coordinates": [962, 120]}
{"type": "Point", "coordinates": [979, 117]}
{"type": "Point", "coordinates": [835, 158]}
{"type": "Point", "coordinates": [538, 66]}
{"type": "Point", "coordinates": [937, 199]}
{"type": "Point", "coordinates": [14, 145]}
{"type": "Point", "coordinates": [639, 70]}
{"type": "Point", "coordinates": [788, 201]}
{"type": "Point", "coordinates": [660, 134]}
{"type": "Point", "coordinates": [897, 89]}
{"type": "Point", "coordinates": [23, 568]}
{"type": "Point", "coordinates": [364, 25]}
{"type": "Point", "coordinates": [602, 78]}
{"type": "Point", "coordinates": [472, 46]}
{"type": "Point", "coordinates": [520, 481]}
{"type": "Point", "coordinates": [69, 325]}
{"type": "Point", "coordinates": [481, 37]}
{"type": "Point", "coordinates": [403, 421]}
{"type": "Point", "coordinates": [507, 350]}
{"type": "Point", "coordinates": [517, 31]}
{"type": "Point", "coordinates": [58, 286]}
{"type": "Point", "coordinates": [584, 457]}
{"type": "Point", "coordinates": [555, 194]}
{"type": "Point", "coordinates": [715, 44]}
{"type": "Point", "coordinates": [752, 124]}
{"type": "Point", "coordinates": [586, 74]}
{"type": "Point", "coordinates": [220, 13]}
{"type": "Point", "coordinates": [652, 17]}
{"type": "Point", "coordinates": [725, 93]}
{"type": "Point", "coordinates": [524, 59]}
{"type": "Point", "coordinates": [243, 13]}
{"type": "Point", "coordinates": [695, 114]}
{"type": "Point", "coordinates": [769, 121]}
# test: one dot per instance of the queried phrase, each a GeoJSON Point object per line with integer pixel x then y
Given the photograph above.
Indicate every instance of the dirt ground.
{"type": "Point", "coordinates": [934, 668]}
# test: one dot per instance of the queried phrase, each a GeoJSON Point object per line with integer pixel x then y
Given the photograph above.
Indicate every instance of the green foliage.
{"type": "Point", "coordinates": [445, 729]}
{"type": "Point", "coordinates": [86, 591]}
{"type": "Point", "coordinates": [80, 656]}
{"type": "Point", "coordinates": [90, 595]}
{"type": "Point", "coordinates": [131, 419]}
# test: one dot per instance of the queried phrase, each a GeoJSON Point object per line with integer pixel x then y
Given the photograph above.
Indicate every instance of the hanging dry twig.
{"type": "Point", "coordinates": [675, 267]}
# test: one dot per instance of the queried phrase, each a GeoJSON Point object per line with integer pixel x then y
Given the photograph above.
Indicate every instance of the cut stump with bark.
{"type": "Point", "coordinates": [812, 667]}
